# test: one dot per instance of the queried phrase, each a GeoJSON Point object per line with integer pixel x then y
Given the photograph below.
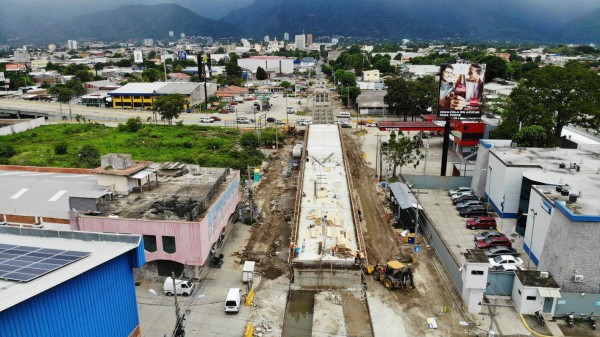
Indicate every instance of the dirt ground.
{"type": "Point", "coordinates": [433, 291]}
{"type": "Point", "coordinates": [433, 296]}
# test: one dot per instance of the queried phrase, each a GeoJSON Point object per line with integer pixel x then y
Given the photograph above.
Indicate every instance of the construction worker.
{"type": "Point", "coordinates": [357, 257]}
{"type": "Point", "coordinates": [362, 258]}
{"type": "Point", "coordinates": [292, 248]}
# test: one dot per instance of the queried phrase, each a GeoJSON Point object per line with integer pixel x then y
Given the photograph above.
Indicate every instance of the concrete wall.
{"type": "Point", "coordinates": [193, 240]}
{"type": "Point", "coordinates": [522, 304]}
{"type": "Point", "coordinates": [120, 183]}
{"type": "Point", "coordinates": [580, 303]}
{"type": "Point", "coordinates": [536, 233]}
{"type": "Point", "coordinates": [326, 278]}
{"type": "Point", "coordinates": [571, 248]}
{"type": "Point", "coordinates": [435, 182]}
{"type": "Point", "coordinates": [22, 126]}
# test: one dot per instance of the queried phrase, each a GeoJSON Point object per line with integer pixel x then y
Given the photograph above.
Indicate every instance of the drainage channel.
{"type": "Point", "coordinates": [298, 319]}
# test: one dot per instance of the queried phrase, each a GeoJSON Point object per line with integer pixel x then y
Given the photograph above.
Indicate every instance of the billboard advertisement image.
{"type": "Point", "coordinates": [461, 90]}
{"type": "Point", "coordinates": [138, 56]}
{"type": "Point", "coordinates": [16, 67]}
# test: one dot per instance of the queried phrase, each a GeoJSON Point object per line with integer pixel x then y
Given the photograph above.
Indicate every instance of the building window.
{"type": "Point", "coordinates": [150, 243]}
{"type": "Point", "coordinates": [477, 272]}
{"type": "Point", "coordinates": [168, 244]}
{"type": "Point", "coordinates": [531, 298]}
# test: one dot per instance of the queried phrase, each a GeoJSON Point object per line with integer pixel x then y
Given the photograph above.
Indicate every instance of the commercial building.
{"type": "Point", "coordinates": [72, 45]}
{"type": "Point", "coordinates": [63, 283]}
{"type": "Point", "coordinates": [275, 64]}
{"type": "Point", "coordinates": [142, 95]}
{"type": "Point", "coordinates": [181, 210]}
{"type": "Point", "coordinates": [552, 192]}
{"type": "Point", "coordinates": [300, 42]}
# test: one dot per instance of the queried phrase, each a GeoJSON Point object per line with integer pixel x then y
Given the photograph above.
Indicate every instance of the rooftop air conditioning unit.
{"type": "Point", "coordinates": [544, 274]}
{"type": "Point", "coordinates": [578, 278]}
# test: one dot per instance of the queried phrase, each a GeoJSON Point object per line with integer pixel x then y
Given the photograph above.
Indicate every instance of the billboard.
{"type": "Point", "coordinates": [2, 77]}
{"type": "Point", "coordinates": [182, 55]}
{"type": "Point", "coordinates": [16, 67]}
{"type": "Point", "coordinates": [461, 90]}
{"type": "Point", "coordinates": [138, 57]}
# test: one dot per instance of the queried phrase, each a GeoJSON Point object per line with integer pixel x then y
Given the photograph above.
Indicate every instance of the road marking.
{"type": "Point", "coordinates": [20, 193]}
{"type": "Point", "coordinates": [57, 195]}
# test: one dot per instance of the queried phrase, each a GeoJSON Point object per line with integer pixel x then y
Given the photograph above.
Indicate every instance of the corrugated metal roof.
{"type": "Point", "coordinates": [178, 88]}
{"type": "Point", "coordinates": [102, 248]}
{"type": "Point", "coordinates": [137, 88]}
{"type": "Point", "coordinates": [402, 193]}
{"type": "Point", "coordinates": [142, 174]}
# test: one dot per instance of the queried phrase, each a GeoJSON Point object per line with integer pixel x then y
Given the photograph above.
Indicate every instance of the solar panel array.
{"type": "Point", "coordinates": [24, 263]}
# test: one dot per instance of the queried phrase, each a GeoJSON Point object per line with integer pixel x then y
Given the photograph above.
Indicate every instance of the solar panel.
{"type": "Point", "coordinates": [25, 263]}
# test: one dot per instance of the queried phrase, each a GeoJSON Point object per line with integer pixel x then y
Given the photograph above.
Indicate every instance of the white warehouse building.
{"type": "Point", "coordinates": [277, 64]}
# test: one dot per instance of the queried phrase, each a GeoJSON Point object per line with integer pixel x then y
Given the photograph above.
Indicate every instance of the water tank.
{"type": "Point", "coordinates": [573, 198]}
{"type": "Point", "coordinates": [564, 193]}
{"type": "Point", "coordinates": [562, 165]}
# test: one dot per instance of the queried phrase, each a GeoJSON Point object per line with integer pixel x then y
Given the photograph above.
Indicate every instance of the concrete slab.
{"type": "Point", "coordinates": [328, 315]}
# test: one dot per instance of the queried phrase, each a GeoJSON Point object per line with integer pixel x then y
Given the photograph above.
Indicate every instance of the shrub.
{"type": "Point", "coordinates": [61, 148]}
{"type": "Point", "coordinates": [7, 150]}
{"type": "Point", "coordinates": [89, 156]}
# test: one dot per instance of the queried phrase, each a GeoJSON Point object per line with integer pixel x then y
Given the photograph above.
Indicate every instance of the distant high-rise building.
{"type": "Point", "coordinates": [286, 36]}
{"type": "Point", "coordinates": [52, 47]}
{"type": "Point", "coordinates": [72, 45]}
{"type": "Point", "coordinates": [300, 42]}
{"type": "Point", "coordinates": [171, 33]}
{"type": "Point", "coordinates": [148, 42]}
{"type": "Point", "coordinates": [182, 35]}
{"type": "Point", "coordinates": [335, 40]}
{"type": "Point", "coordinates": [309, 40]}
{"type": "Point", "coordinates": [266, 39]}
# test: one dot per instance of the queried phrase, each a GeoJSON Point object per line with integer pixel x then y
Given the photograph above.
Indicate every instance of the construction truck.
{"type": "Point", "coordinates": [393, 275]}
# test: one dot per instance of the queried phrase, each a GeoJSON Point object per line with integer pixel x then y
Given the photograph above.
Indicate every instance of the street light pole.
{"type": "Point", "coordinates": [531, 211]}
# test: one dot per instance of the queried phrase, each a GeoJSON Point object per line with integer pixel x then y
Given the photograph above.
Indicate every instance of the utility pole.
{"type": "Point", "coordinates": [179, 330]}
{"type": "Point", "coordinates": [377, 158]}
{"type": "Point", "coordinates": [250, 196]}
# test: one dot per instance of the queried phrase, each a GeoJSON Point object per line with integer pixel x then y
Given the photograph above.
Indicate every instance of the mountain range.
{"type": "Point", "coordinates": [546, 21]}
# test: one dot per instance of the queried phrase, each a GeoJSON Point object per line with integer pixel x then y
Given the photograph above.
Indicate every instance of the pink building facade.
{"type": "Point", "coordinates": [188, 243]}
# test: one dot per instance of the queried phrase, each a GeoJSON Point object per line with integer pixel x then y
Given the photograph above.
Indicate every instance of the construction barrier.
{"type": "Point", "coordinates": [250, 297]}
{"type": "Point", "coordinates": [249, 330]}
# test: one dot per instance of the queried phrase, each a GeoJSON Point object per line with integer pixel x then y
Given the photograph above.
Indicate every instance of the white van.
{"type": "Point", "coordinates": [184, 287]}
{"type": "Point", "coordinates": [343, 114]}
{"type": "Point", "coordinates": [233, 299]}
{"type": "Point", "coordinates": [290, 109]}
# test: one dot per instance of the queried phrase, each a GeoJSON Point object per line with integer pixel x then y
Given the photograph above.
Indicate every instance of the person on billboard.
{"type": "Point", "coordinates": [472, 84]}
{"type": "Point", "coordinates": [446, 85]}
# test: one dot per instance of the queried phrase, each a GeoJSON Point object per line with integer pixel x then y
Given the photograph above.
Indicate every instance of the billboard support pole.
{"type": "Point", "coordinates": [446, 144]}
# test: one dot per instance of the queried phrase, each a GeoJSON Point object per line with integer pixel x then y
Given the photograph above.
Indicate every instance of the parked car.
{"type": "Point", "coordinates": [458, 195]}
{"type": "Point", "coordinates": [275, 96]}
{"type": "Point", "coordinates": [250, 98]}
{"type": "Point", "coordinates": [506, 267]}
{"type": "Point", "coordinates": [468, 203]}
{"type": "Point", "coordinates": [493, 242]}
{"type": "Point", "coordinates": [460, 190]}
{"type": "Point", "coordinates": [481, 222]}
{"type": "Point", "coordinates": [206, 120]}
{"type": "Point", "coordinates": [346, 125]}
{"type": "Point", "coordinates": [500, 250]}
{"type": "Point", "coordinates": [280, 122]}
{"type": "Point", "coordinates": [270, 119]}
{"type": "Point", "coordinates": [234, 103]}
{"type": "Point", "coordinates": [216, 118]}
{"type": "Point", "coordinates": [372, 125]}
{"type": "Point", "coordinates": [473, 211]}
{"type": "Point", "coordinates": [506, 260]}
{"type": "Point", "coordinates": [466, 198]}
{"type": "Point", "coordinates": [486, 235]}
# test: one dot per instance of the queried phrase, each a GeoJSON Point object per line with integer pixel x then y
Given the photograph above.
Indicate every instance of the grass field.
{"type": "Point", "coordinates": [206, 146]}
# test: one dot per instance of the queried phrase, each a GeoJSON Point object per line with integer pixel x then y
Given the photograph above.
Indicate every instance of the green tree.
{"type": "Point", "coordinates": [410, 97]}
{"type": "Point", "coordinates": [170, 106]}
{"type": "Point", "coordinates": [403, 151]}
{"type": "Point", "coordinates": [261, 74]}
{"type": "Point", "coordinates": [494, 67]}
{"type": "Point", "coordinates": [531, 136]}
{"type": "Point", "coordinates": [152, 75]}
{"type": "Point", "coordinates": [89, 156]}
{"type": "Point", "coordinates": [553, 97]}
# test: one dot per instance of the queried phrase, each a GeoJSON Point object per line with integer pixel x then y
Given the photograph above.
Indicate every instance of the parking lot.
{"type": "Point", "coordinates": [442, 212]}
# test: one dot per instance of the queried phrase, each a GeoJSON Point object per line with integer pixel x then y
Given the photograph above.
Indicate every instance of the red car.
{"type": "Point", "coordinates": [216, 118]}
{"type": "Point", "coordinates": [493, 242]}
{"type": "Point", "coordinates": [233, 103]}
{"type": "Point", "coordinates": [250, 98]}
{"type": "Point", "coordinates": [481, 222]}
